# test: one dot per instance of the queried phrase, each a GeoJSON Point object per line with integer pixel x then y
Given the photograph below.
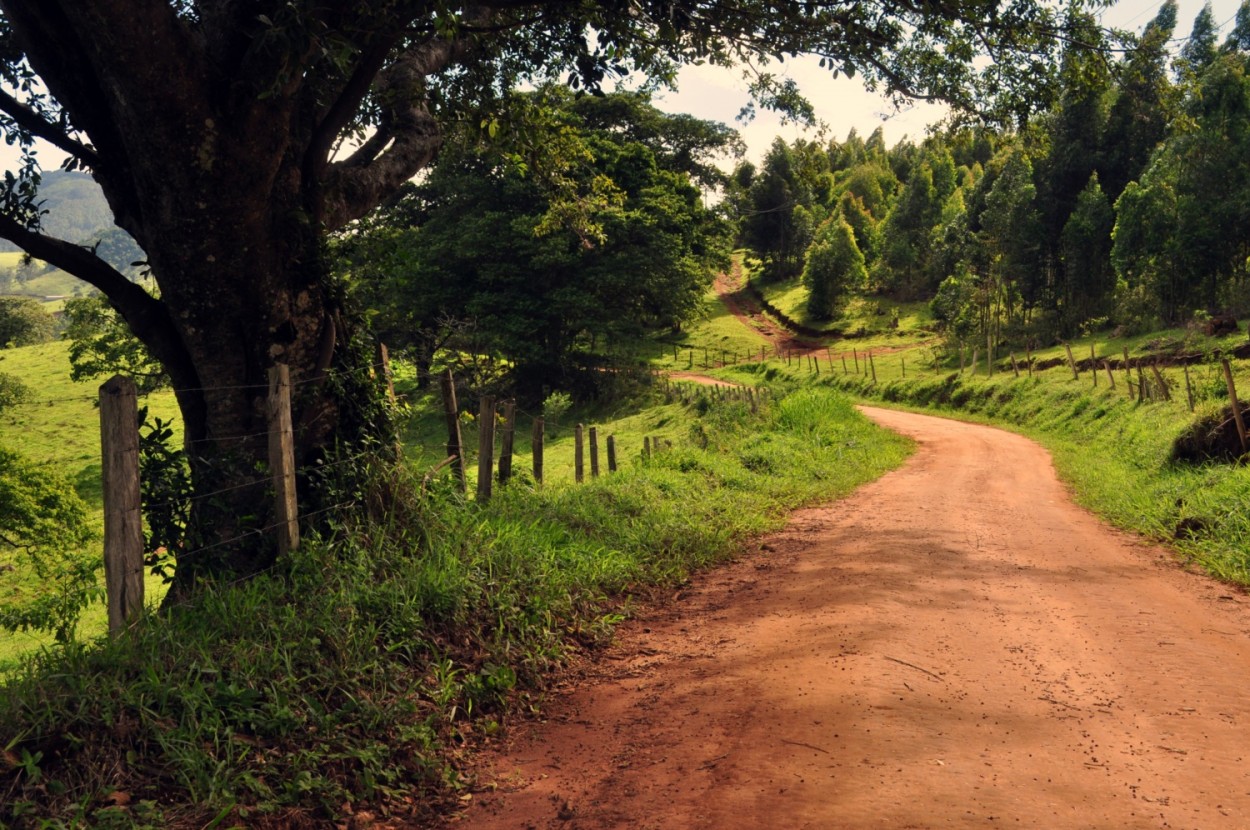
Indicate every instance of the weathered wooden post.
{"type": "Point", "coordinates": [506, 440]}
{"type": "Point", "coordinates": [1189, 389]}
{"type": "Point", "coordinates": [1015, 367]}
{"type": "Point", "coordinates": [451, 412]}
{"type": "Point", "coordinates": [902, 362]}
{"type": "Point", "coordinates": [873, 364]}
{"type": "Point", "coordinates": [1093, 364]}
{"type": "Point", "coordinates": [1128, 373]}
{"type": "Point", "coordinates": [845, 371]}
{"type": "Point", "coordinates": [646, 446]}
{"type": "Point", "coordinates": [282, 459]}
{"type": "Point", "coordinates": [611, 453]}
{"type": "Point", "coordinates": [123, 520]}
{"type": "Point", "coordinates": [594, 452]}
{"type": "Point", "coordinates": [485, 447]}
{"type": "Point", "coordinates": [1072, 362]}
{"type": "Point", "coordinates": [1106, 364]}
{"type": "Point", "coordinates": [579, 454]}
{"type": "Point", "coordinates": [1142, 390]}
{"type": "Point", "coordinates": [1232, 398]}
{"type": "Point", "coordinates": [383, 358]}
{"type": "Point", "coordinates": [536, 445]}
{"type": "Point", "coordinates": [1163, 384]}
{"type": "Point", "coordinates": [1028, 357]}
{"type": "Point", "coordinates": [855, 355]}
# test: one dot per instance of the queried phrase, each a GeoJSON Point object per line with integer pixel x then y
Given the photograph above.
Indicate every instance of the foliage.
{"type": "Point", "coordinates": [23, 322]}
{"type": "Point", "coordinates": [474, 243]}
{"type": "Point", "coordinates": [834, 267]}
{"type": "Point", "coordinates": [165, 492]}
{"type": "Point", "coordinates": [44, 522]}
{"type": "Point", "coordinates": [102, 345]}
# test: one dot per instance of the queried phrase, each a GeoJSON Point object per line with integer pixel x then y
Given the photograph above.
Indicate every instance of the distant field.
{"type": "Point", "coordinates": [54, 283]}
{"type": "Point", "coordinates": [59, 426]}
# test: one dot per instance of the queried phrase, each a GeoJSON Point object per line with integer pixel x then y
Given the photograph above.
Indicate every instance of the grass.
{"type": "Point", "coordinates": [58, 426]}
{"type": "Point", "coordinates": [352, 675]}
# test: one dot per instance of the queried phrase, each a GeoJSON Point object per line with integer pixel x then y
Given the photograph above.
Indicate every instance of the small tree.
{"type": "Point", "coordinates": [834, 267]}
{"type": "Point", "coordinates": [102, 344]}
{"type": "Point", "coordinates": [23, 322]}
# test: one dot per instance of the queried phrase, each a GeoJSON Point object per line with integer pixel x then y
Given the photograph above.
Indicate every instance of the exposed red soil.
{"type": "Point", "coordinates": [954, 645]}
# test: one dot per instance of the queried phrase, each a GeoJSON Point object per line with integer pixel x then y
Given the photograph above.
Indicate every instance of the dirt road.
{"type": "Point", "coordinates": [955, 645]}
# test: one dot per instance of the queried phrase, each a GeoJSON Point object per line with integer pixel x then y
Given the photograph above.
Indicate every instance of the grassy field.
{"type": "Point", "coordinates": [58, 426]}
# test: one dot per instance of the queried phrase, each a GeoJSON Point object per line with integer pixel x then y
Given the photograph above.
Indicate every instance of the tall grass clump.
{"type": "Point", "coordinates": [352, 676]}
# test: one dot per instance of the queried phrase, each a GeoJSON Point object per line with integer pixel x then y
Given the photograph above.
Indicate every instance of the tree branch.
{"type": "Point", "coordinates": [28, 119]}
{"type": "Point", "coordinates": [354, 187]}
{"type": "Point", "coordinates": [147, 316]}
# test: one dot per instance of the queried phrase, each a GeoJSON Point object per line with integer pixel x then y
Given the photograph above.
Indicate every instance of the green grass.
{"type": "Point", "coordinates": [58, 426]}
{"type": "Point", "coordinates": [356, 671]}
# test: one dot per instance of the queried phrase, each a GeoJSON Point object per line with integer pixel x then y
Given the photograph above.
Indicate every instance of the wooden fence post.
{"type": "Point", "coordinates": [594, 452]}
{"type": "Point", "coordinates": [1189, 390]}
{"type": "Point", "coordinates": [873, 364]}
{"type": "Point", "coordinates": [485, 446]}
{"type": "Point", "coordinates": [1232, 397]}
{"type": "Point", "coordinates": [1015, 367]}
{"type": "Point", "coordinates": [579, 452]}
{"type": "Point", "coordinates": [506, 441]}
{"type": "Point", "coordinates": [1072, 362]}
{"type": "Point", "coordinates": [123, 521]}
{"type": "Point", "coordinates": [536, 444]}
{"type": "Point", "coordinates": [1110, 374]}
{"type": "Point", "coordinates": [855, 355]}
{"type": "Point", "coordinates": [902, 362]}
{"type": "Point", "coordinates": [1093, 363]}
{"type": "Point", "coordinates": [1142, 390]}
{"type": "Point", "coordinates": [384, 363]}
{"type": "Point", "coordinates": [611, 453]}
{"type": "Point", "coordinates": [1128, 373]}
{"type": "Point", "coordinates": [845, 371]}
{"type": "Point", "coordinates": [646, 446]}
{"type": "Point", "coordinates": [989, 355]}
{"type": "Point", "coordinates": [1028, 358]}
{"type": "Point", "coordinates": [451, 411]}
{"type": "Point", "coordinates": [1163, 384]}
{"type": "Point", "coordinates": [282, 459]}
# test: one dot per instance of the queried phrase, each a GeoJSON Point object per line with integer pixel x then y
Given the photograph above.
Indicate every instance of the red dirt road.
{"type": "Point", "coordinates": [954, 645]}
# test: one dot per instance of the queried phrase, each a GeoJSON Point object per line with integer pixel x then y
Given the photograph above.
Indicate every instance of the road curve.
{"type": "Point", "coordinates": [954, 645]}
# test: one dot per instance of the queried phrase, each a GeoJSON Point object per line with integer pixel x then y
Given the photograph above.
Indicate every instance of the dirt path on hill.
{"type": "Point", "coordinates": [954, 645]}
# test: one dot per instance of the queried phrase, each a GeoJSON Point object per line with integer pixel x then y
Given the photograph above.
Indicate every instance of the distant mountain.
{"type": "Point", "coordinates": [77, 211]}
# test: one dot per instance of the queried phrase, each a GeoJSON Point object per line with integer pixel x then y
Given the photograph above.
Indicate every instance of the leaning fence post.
{"type": "Point", "coordinates": [611, 453]}
{"type": "Point", "coordinates": [282, 459]}
{"type": "Point", "coordinates": [536, 444]}
{"type": "Point", "coordinates": [485, 446]}
{"type": "Point", "coordinates": [594, 452]}
{"type": "Point", "coordinates": [1232, 397]}
{"type": "Point", "coordinates": [873, 365]}
{"type": "Point", "coordinates": [1072, 362]}
{"type": "Point", "coordinates": [123, 520]}
{"type": "Point", "coordinates": [1189, 390]}
{"type": "Point", "coordinates": [1110, 375]}
{"type": "Point", "coordinates": [451, 411]}
{"type": "Point", "coordinates": [579, 454]}
{"type": "Point", "coordinates": [506, 440]}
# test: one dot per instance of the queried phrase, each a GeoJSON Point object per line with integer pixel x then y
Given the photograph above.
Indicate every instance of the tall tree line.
{"type": "Point", "coordinates": [1124, 203]}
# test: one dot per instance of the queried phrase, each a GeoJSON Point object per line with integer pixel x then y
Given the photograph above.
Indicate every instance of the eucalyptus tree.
{"type": "Point", "coordinates": [230, 138]}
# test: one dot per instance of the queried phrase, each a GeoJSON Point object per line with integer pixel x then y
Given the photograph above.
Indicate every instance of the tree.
{"type": "Point", "coordinates": [833, 267]}
{"type": "Point", "coordinates": [24, 322]}
{"type": "Point", "coordinates": [1200, 50]}
{"type": "Point", "coordinates": [473, 245]}
{"type": "Point", "coordinates": [214, 130]}
{"type": "Point", "coordinates": [1086, 252]}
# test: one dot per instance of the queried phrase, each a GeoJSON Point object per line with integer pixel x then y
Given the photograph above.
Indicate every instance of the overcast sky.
{"type": "Point", "coordinates": [720, 94]}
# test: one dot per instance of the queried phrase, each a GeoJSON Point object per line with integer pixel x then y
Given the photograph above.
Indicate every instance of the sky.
{"type": "Point", "coordinates": [719, 94]}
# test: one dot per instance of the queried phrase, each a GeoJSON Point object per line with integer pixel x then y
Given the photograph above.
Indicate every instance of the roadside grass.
{"type": "Point", "coordinates": [350, 678]}
{"type": "Point", "coordinates": [1115, 453]}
